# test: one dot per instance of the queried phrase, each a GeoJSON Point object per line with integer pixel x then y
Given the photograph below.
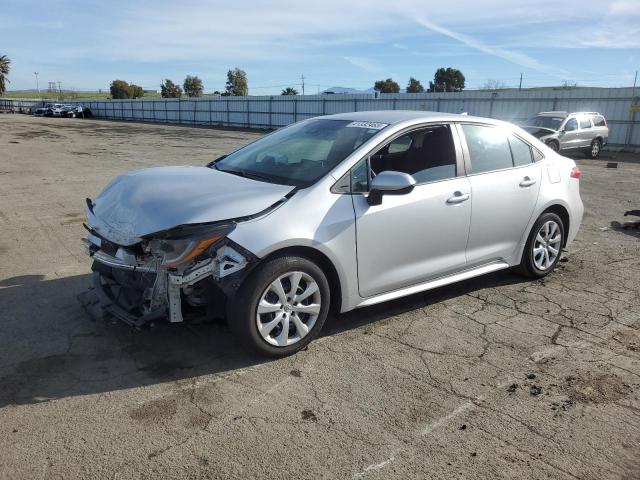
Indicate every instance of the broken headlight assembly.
{"type": "Point", "coordinates": [180, 246]}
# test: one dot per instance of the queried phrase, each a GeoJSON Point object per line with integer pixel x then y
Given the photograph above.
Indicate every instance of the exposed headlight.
{"type": "Point", "coordinates": [179, 246]}
{"type": "Point", "coordinates": [177, 252]}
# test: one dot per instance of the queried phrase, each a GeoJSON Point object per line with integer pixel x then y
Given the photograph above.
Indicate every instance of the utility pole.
{"type": "Point", "coordinates": [59, 91]}
{"type": "Point", "coordinates": [520, 86]}
{"type": "Point", "coordinates": [303, 84]}
{"type": "Point", "coordinates": [37, 85]}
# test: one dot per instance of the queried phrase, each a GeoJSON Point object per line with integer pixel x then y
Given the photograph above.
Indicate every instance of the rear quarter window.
{"type": "Point", "coordinates": [598, 121]}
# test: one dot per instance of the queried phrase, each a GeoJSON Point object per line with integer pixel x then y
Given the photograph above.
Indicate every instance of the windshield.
{"type": "Point", "coordinates": [545, 122]}
{"type": "Point", "coordinates": [300, 154]}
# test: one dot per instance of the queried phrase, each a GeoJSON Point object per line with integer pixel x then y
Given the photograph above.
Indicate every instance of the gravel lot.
{"type": "Point", "coordinates": [497, 377]}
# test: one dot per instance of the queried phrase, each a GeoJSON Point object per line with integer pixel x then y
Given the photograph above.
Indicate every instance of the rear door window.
{"type": "Point", "coordinates": [585, 123]}
{"type": "Point", "coordinates": [488, 148]}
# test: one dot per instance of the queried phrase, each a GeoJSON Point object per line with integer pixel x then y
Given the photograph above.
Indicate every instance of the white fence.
{"type": "Point", "coordinates": [268, 112]}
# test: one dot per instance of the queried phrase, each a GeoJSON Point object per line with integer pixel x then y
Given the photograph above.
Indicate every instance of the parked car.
{"type": "Point", "coordinates": [42, 111]}
{"type": "Point", "coordinates": [570, 132]}
{"type": "Point", "coordinates": [73, 111]}
{"type": "Point", "coordinates": [330, 214]}
{"type": "Point", "coordinates": [54, 110]}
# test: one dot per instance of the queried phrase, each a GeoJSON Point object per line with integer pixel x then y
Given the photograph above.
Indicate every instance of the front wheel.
{"type": "Point", "coordinates": [282, 306]}
{"type": "Point", "coordinates": [553, 145]}
{"type": "Point", "coordinates": [544, 246]}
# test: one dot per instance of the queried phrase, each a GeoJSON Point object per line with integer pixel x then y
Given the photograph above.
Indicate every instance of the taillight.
{"type": "Point", "coordinates": [576, 173]}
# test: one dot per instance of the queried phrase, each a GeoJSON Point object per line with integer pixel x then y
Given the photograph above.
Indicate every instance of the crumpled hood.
{"type": "Point", "coordinates": [539, 132]}
{"type": "Point", "coordinates": [146, 201]}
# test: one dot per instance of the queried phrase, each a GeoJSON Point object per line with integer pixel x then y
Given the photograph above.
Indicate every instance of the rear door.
{"type": "Point", "coordinates": [504, 190]}
{"type": "Point", "coordinates": [587, 133]}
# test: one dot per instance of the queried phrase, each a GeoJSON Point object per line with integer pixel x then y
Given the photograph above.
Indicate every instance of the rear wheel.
{"type": "Point", "coordinates": [594, 150]}
{"type": "Point", "coordinates": [282, 306]}
{"type": "Point", "coordinates": [544, 246]}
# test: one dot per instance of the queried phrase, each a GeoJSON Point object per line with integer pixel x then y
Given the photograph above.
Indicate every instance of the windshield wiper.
{"type": "Point", "coordinates": [250, 175]}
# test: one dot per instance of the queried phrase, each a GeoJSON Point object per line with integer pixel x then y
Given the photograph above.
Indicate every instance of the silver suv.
{"type": "Point", "coordinates": [564, 132]}
{"type": "Point", "coordinates": [332, 213]}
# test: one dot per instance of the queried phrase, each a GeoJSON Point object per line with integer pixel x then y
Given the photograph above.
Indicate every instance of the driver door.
{"type": "Point", "coordinates": [409, 239]}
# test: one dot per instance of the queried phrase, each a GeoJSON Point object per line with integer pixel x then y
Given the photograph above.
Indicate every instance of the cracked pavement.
{"type": "Point", "coordinates": [497, 377]}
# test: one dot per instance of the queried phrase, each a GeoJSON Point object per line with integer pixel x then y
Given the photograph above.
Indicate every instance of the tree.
{"type": "Point", "coordinates": [447, 80]}
{"type": "Point", "coordinates": [121, 89]}
{"type": "Point", "coordinates": [136, 91]}
{"type": "Point", "coordinates": [414, 86]}
{"type": "Point", "coordinates": [193, 86]}
{"type": "Point", "coordinates": [386, 86]}
{"type": "Point", "coordinates": [5, 66]}
{"type": "Point", "coordinates": [237, 83]}
{"type": "Point", "coordinates": [289, 91]}
{"type": "Point", "coordinates": [494, 85]}
{"type": "Point", "coordinates": [170, 90]}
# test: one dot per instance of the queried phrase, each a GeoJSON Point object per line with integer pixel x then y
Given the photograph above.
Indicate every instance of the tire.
{"type": "Point", "coordinates": [533, 263]}
{"type": "Point", "coordinates": [278, 308]}
{"type": "Point", "coordinates": [553, 145]}
{"type": "Point", "coordinates": [593, 151]}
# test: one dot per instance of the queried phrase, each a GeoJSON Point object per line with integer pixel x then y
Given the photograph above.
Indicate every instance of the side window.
{"type": "Point", "coordinates": [428, 154]}
{"type": "Point", "coordinates": [585, 123]}
{"type": "Point", "coordinates": [571, 125]}
{"type": "Point", "coordinates": [360, 177]}
{"type": "Point", "coordinates": [598, 121]}
{"type": "Point", "coordinates": [520, 151]}
{"type": "Point", "coordinates": [488, 148]}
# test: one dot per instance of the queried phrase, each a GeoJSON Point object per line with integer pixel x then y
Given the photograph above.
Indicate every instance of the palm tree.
{"type": "Point", "coordinates": [289, 91]}
{"type": "Point", "coordinates": [5, 66]}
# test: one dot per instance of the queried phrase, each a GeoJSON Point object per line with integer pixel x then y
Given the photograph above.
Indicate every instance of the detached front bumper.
{"type": "Point", "coordinates": [137, 289]}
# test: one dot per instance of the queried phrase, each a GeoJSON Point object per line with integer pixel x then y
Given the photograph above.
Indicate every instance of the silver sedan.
{"type": "Point", "coordinates": [328, 215]}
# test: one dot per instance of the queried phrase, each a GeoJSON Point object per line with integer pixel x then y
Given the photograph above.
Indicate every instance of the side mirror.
{"type": "Point", "coordinates": [389, 183]}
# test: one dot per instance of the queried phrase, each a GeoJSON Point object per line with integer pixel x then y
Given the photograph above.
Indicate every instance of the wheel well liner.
{"type": "Point", "coordinates": [564, 216]}
{"type": "Point", "coordinates": [324, 263]}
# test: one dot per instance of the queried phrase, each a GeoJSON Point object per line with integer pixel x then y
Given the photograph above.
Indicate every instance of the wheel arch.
{"type": "Point", "coordinates": [323, 261]}
{"type": "Point", "coordinates": [563, 213]}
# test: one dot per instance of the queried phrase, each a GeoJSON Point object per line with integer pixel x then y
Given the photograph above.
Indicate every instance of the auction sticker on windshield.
{"type": "Point", "coordinates": [370, 125]}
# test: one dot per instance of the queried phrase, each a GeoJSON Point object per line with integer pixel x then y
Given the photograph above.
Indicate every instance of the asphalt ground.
{"type": "Point", "coordinates": [497, 377]}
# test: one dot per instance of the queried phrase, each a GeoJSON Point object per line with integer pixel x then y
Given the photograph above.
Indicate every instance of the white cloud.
{"type": "Point", "coordinates": [518, 58]}
{"type": "Point", "coordinates": [362, 62]}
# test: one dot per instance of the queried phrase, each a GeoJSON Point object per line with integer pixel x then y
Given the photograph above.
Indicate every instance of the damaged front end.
{"type": "Point", "coordinates": [184, 273]}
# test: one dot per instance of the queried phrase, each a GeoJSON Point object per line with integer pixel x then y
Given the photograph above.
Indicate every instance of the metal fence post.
{"type": "Point", "coordinates": [295, 110]}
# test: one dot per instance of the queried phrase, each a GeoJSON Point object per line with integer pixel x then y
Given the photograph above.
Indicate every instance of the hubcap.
{"type": "Point", "coordinates": [546, 247]}
{"type": "Point", "coordinates": [288, 309]}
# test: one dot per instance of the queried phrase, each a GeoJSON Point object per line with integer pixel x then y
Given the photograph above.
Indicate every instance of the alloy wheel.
{"type": "Point", "coordinates": [595, 149]}
{"type": "Point", "coordinates": [547, 245]}
{"type": "Point", "coordinates": [288, 308]}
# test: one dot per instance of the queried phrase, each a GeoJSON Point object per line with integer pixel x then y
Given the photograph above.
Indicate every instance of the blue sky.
{"type": "Point", "coordinates": [86, 44]}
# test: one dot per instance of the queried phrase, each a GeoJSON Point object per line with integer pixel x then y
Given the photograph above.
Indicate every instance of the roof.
{"type": "Point", "coordinates": [396, 116]}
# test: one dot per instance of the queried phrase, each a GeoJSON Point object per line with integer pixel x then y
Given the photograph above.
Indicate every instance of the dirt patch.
{"type": "Point", "coordinates": [594, 388]}
{"type": "Point", "coordinates": [630, 339]}
{"type": "Point", "coordinates": [155, 411]}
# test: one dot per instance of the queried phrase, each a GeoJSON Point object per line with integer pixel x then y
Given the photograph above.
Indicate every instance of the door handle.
{"type": "Point", "coordinates": [527, 182]}
{"type": "Point", "coordinates": [458, 197]}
